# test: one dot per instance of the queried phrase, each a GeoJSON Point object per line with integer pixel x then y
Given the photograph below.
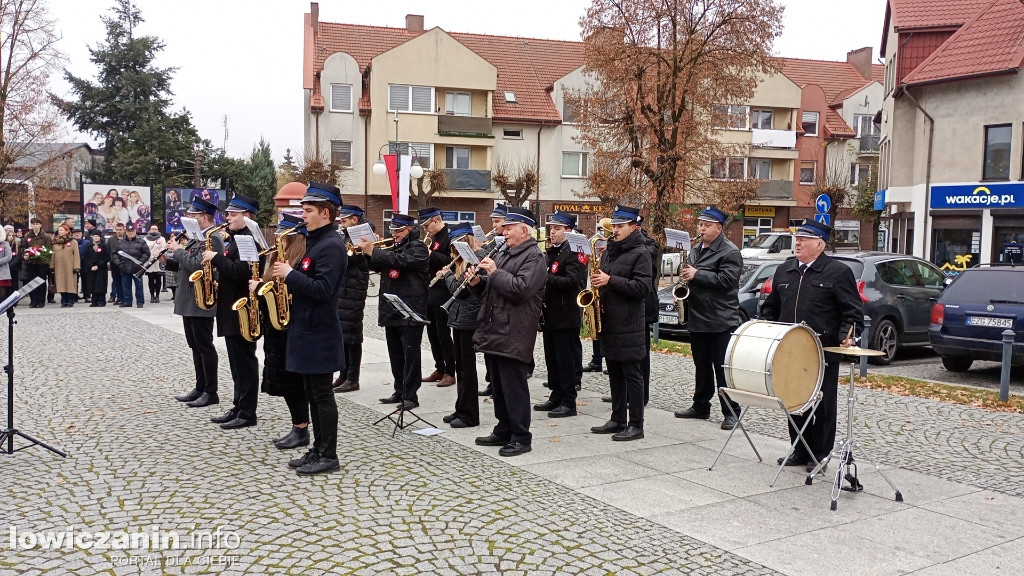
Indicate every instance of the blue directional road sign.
{"type": "Point", "coordinates": [823, 203]}
{"type": "Point", "coordinates": [823, 218]}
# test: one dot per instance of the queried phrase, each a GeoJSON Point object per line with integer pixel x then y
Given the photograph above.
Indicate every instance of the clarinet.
{"type": "Point", "coordinates": [148, 263]}
{"type": "Point", "coordinates": [465, 282]}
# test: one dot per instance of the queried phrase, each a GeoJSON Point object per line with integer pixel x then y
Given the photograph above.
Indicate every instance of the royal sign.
{"type": "Point", "coordinates": [991, 195]}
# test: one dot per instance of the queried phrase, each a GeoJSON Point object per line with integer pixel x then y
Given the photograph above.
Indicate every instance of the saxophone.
{"type": "Point", "coordinates": [681, 291]}
{"type": "Point", "coordinates": [248, 308]}
{"type": "Point", "coordinates": [276, 292]}
{"type": "Point", "coordinates": [204, 289]}
{"type": "Point", "coordinates": [590, 298]}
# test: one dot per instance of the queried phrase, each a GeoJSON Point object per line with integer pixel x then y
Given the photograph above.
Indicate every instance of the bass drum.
{"type": "Point", "coordinates": [784, 361]}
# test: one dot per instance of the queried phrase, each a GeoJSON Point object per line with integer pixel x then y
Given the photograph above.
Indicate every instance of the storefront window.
{"type": "Point", "coordinates": [956, 249]}
{"type": "Point", "coordinates": [846, 233]}
{"type": "Point", "coordinates": [754, 226]}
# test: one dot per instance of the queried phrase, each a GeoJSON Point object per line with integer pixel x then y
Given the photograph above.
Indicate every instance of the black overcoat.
{"type": "Point", "coordinates": [403, 272]}
{"type": "Point", "coordinates": [623, 325]}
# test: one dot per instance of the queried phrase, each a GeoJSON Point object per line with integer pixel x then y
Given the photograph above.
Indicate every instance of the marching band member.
{"type": "Point", "coordinates": [510, 307]}
{"type": "Point", "coordinates": [560, 322]}
{"type": "Point", "coordinates": [650, 304]}
{"type": "Point", "coordinates": [403, 272]}
{"type": "Point", "coordinates": [438, 332]}
{"type": "Point", "coordinates": [351, 303]}
{"type": "Point", "coordinates": [624, 280]}
{"type": "Point", "coordinates": [233, 283]}
{"type": "Point", "coordinates": [198, 323]}
{"type": "Point", "coordinates": [462, 319]}
{"type": "Point", "coordinates": [497, 222]}
{"type": "Point", "coordinates": [822, 292]}
{"type": "Point", "coordinates": [315, 343]}
{"type": "Point", "coordinates": [713, 277]}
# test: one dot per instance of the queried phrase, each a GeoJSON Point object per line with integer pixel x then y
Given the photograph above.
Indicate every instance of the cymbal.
{"type": "Point", "coordinates": [853, 351]}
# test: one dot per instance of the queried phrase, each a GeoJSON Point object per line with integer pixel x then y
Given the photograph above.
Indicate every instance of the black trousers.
{"type": "Point", "coordinates": [199, 335]}
{"type": "Point", "coordinates": [645, 366]}
{"type": "Point", "coordinates": [245, 372]}
{"type": "Point", "coordinates": [511, 397]}
{"type": "Point", "coordinates": [821, 432]}
{"type": "Point", "coordinates": [597, 358]}
{"type": "Point", "coordinates": [353, 360]}
{"type": "Point", "coordinates": [298, 407]}
{"type": "Point", "coordinates": [708, 350]}
{"type": "Point", "coordinates": [560, 360]}
{"type": "Point", "coordinates": [324, 412]}
{"type": "Point", "coordinates": [440, 336]}
{"type": "Point", "coordinates": [626, 380]}
{"type": "Point", "coordinates": [577, 350]}
{"type": "Point", "coordinates": [467, 403]}
{"type": "Point", "coordinates": [37, 296]}
{"type": "Point", "coordinates": [404, 353]}
{"type": "Point", "coordinates": [154, 282]}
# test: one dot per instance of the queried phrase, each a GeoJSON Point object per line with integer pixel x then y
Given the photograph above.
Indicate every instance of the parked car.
{"type": "Point", "coordinates": [771, 244]}
{"type": "Point", "coordinates": [752, 276]}
{"type": "Point", "coordinates": [968, 321]}
{"type": "Point", "coordinates": [898, 292]}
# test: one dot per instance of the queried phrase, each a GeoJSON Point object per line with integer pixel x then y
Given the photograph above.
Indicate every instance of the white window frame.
{"type": "Point", "coordinates": [581, 164]}
{"type": "Point", "coordinates": [855, 168]}
{"type": "Point", "coordinates": [451, 157]}
{"type": "Point", "coordinates": [427, 147]}
{"type": "Point", "coordinates": [451, 99]}
{"type": "Point", "coordinates": [814, 173]}
{"type": "Point", "coordinates": [410, 90]}
{"type": "Point", "coordinates": [817, 123]}
{"type": "Point", "coordinates": [349, 142]}
{"type": "Point", "coordinates": [337, 87]}
{"type": "Point", "coordinates": [568, 118]}
{"type": "Point", "coordinates": [729, 161]}
{"type": "Point", "coordinates": [510, 97]}
{"type": "Point", "coordinates": [510, 134]}
{"type": "Point", "coordinates": [761, 111]}
{"type": "Point", "coordinates": [753, 162]}
{"type": "Point", "coordinates": [872, 129]}
{"type": "Point", "coordinates": [733, 112]}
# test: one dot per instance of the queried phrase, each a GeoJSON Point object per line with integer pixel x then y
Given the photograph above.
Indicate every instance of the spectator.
{"type": "Point", "coordinates": [6, 256]}
{"type": "Point", "coordinates": [113, 245]}
{"type": "Point", "coordinates": [66, 264]}
{"type": "Point", "coordinates": [15, 264]}
{"type": "Point", "coordinates": [38, 265]}
{"type": "Point", "coordinates": [134, 246]}
{"type": "Point", "coordinates": [154, 272]}
{"type": "Point", "coordinates": [95, 261]}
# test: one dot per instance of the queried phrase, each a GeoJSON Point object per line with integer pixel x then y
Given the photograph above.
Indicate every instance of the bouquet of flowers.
{"type": "Point", "coordinates": [38, 255]}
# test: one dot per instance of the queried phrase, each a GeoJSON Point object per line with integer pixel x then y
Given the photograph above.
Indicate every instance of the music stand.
{"type": "Point", "coordinates": [398, 415]}
{"type": "Point", "coordinates": [10, 432]}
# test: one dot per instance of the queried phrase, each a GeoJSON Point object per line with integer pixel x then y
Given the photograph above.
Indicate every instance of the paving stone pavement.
{"type": "Point", "coordinates": [98, 383]}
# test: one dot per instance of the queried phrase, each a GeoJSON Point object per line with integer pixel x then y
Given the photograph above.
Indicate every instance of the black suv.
{"type": "Point", "coordinates": [968, 321]}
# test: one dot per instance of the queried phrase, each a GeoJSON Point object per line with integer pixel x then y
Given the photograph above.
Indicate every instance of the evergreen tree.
{"type": "Point", "coordinates": [259, 180]}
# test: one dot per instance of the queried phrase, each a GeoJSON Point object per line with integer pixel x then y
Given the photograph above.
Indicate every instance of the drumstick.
{"type": "Point", "coordinates": [849, 334]}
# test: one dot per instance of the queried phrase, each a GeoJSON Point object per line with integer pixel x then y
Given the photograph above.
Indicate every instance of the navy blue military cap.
{"type": "Point", "coordinates": [560, 218]}
{"type": "Point", "coordinates": [521, 215]}
{"type": "Point", "coordinates": [625, 214]}
{"type": "Point", "coordinates": [320, 192]}
{"type": "Point", "coordinates": [813, 229]}
{"type": "Point", "coordinates": [460, 230]}
{"type": "Point", "coordinates": [401, 221]}
{"type": "Point", "coordinates": [243, 204]}
{"type": "Point", "coordinates": [200, 206]}
{"type": "Point", "coordinates": [500, 211]}
{"type": "Point", "coordinates": [428, 213]}
{"type": "Point", "coordinates": [713, 214]}
{"type": "Point", "coordinates": [289, 220]}
{"type": "Point", "coordinates": [347, 210]}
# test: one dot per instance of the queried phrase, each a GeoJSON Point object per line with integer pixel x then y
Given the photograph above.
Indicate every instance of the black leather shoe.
{"type": "Point", "coordinates": [189, 396]}
{"type": "Point", "coordinates": [347, 386]}
{"type": "Point", "coordinates": [204, 401]}
{"type": "Point", "coordinates": [311, 456]}
{"type": "Point", "coordinates": [630, 433]}
{"type": "Point", "coordinates": [298, 437]}
{"type": "Point", "coordinates": [319, 466]}
{"type": "Point", "coordinates": [794, 460]}
{"type": "Point", "coordinates": [692, 412]}
{"type": "Point", "coordinates": [408, 405]}
{"type": "Point", "coordinates": [393, 399]}
{"type": "Point", "coordinates": [579, 387]}
{"type": "Point", "coordinates": [491, 440]}
{"type": "Point", "coordinates": [486, 391]}
{"type": "Point", "coordinates": [460, 423]}
{"type": "Point", "coordinates": [225, 417]}
{"type": "Point", "coordinates": [592, 368]}
{"type": "Point", "coordinates": [562, 412]}
{"type": "Point", "coordinates": [545, 406]}
{"type": "Point", "coordinates": [238, 423]}
{"type": "Point", "coordinates": [514, 449]}
{"type": "Point", "coordinates": [125, 305]}
{"type": "Point", "coordinates": [729, 423]}
{"type": "Point", "coordinates": [609, 427]}
{"type": "Point", "coordinates": [606, 398]}
{"type": "Point", "coordinates": [448, 419]}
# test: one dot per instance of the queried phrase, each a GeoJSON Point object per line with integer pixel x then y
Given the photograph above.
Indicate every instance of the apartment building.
{"type": "Point", "coordinates": [951, 174]}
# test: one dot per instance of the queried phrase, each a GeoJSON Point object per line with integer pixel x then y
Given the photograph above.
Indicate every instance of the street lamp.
{"type": "Point", "coordinates": [381, 169]}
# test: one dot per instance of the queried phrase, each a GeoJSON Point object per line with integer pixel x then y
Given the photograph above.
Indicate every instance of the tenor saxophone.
{"type": "Point", "coordinates": [248, 309]}
{"type": "Point", "coordinates": [276, 292]}
{"type": "Point", "coordinates": [204, 290]}
{"type": "Point", "coordinates": [589, 299]}
{"type": "Point", "coordinates": [681, 291]}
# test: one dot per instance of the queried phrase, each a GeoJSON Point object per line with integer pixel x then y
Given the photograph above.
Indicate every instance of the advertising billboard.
{"type": "Point", "coordinates": [112, 204]}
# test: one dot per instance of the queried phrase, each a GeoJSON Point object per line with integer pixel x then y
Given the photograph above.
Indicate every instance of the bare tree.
{"type": "Point", "coordinates": [516, 180]}
{"type": "Point", "coordinates": [833, 179]}
{"type": "Point", "coordinates": [431, 183]}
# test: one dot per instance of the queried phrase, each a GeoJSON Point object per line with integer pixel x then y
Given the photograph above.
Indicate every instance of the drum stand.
{"type": "Point", "coordinates": [847, 468]}
{"type": "Point", "coordinates": [750, 399]}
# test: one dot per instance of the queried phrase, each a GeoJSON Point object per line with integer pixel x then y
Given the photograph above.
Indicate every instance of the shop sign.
{"type": "Point", "coordinates": [579, 208]}
{"type": "Point", "coordinates": [990, 195]}
{"type": "Point", "coordinates": [759, 211]}
{"type": "Point", "coordinates": [879, 200]}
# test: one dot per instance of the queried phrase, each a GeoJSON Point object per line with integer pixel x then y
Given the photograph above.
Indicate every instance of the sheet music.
{"type": "Point", "coordinates": [578, 242]}
{"type": "Point", "coordinates": [678, 239]}
{"type": "Point", "coordinates": [467, 253]}
{"type": "Point", "coordinates": [360, 232]}
{"type": "Point", "coordinates": [257, 234]}
{"type": "Point", "coordinates": [478, 233]}
{"type": "Point", "coordinates": [192, 228]}
{"type": "Point", "coordinates": [247, 250]}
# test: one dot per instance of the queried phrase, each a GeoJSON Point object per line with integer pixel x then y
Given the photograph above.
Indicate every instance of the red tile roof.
{"type": "Point", "coordinates": [835, 78]}
{"type": "Point", "coordinates": [992, 42]}
{"type": "Point", "coordinates": [526, 66]}
{"type": "Point", "coordinates": [934, 13]}
{"type": "Point", "coordinates": [836, 127]}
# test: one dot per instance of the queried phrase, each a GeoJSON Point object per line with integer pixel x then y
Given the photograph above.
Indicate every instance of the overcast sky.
{"type": "Point", "coordinates": [243, 58]}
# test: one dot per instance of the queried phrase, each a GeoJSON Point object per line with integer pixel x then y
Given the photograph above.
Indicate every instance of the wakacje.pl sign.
{"type": "Point", "coordinates": [991, 195]}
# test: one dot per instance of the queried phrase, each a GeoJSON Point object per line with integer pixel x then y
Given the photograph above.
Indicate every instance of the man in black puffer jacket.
{"type": "Point", "coordinates": [351, 303]}
{"type": "Point", "coordinates": [624, 281]}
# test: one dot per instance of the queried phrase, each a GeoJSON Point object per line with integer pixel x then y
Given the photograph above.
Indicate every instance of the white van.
{"type": "Point", "coordinates": [771, 245]}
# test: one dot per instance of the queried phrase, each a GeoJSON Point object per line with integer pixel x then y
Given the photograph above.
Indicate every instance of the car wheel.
{"type": "Point", "coordinates": [957, 363]}
{"type": "Point", "coordinates": [887, 340]}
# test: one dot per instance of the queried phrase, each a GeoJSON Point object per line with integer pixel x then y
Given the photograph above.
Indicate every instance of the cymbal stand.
{"type": "Point", "coordinates": [847, 469]}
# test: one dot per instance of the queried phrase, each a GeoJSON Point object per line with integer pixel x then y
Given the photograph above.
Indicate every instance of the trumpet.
{"type": "Point", "coordinates": [383, 243]}
{"type": "Point", "coordinates": [681, 291]}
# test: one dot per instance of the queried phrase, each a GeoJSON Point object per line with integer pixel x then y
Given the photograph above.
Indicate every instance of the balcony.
{"type": "Point", "coordinates": [775, 190]}
{"type": "Point", "coordinates": [467, 179]}
{"type": "Point", "coordinates": [869, 144]}
{"type": "Point", "coordinates": [465, 126]}
{"type": "Point", "coordinates": [773, 138]}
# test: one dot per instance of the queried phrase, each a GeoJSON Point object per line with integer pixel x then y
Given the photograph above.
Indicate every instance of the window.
{"type": "Point", "coordinates": [510, 97]}
{"type": "Point", "coordinates": [512, 134]}
{"type": "Point", "coordinates": [341, 97]}
{"type": "Point", "coordinates": [754, 227]}
{"type": "Point", "coordinates": [761, 119]}
{"type": "Point", "coordinates": [864, 124]}
{"type": "Point", "coordinates": [859, 173]}
{"type": "Point", "coordinates": [807, 172]}
{"type": "Point", "coordinates": [810, 123]}
{"type": "Point", "coordinates": [731, 117]}
{"type": "Point", "coordinates": [574, 164]}
{"type": "Point", "coordinates": [402, 98]}
{"type": "Point", "coordinates": [898, 273]}
{"type": "Point", "coordinates": [456, 157]}
{"type": "Point", "coordinates": [341, 153]}
{"type": "Point", "coordinates": [457, 103]}
{"type": "Point", "coordinates": [424, 152]}
{"type": "Point", "coordinates": [732, 168]}
{"type": "Point", "coordinates": [931, 277]}
{"type": "Point", "coordinates": [997, 152]}
{"type": "Point", "coordinates": [569, 115]}
{"type": "Point", "coordinates": [761, 169]}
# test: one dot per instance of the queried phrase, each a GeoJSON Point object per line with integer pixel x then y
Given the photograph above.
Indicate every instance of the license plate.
{"type": "Point", "coordinates": [990, 321]}
{"type": "Point", "coordinates": [663, 319]}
